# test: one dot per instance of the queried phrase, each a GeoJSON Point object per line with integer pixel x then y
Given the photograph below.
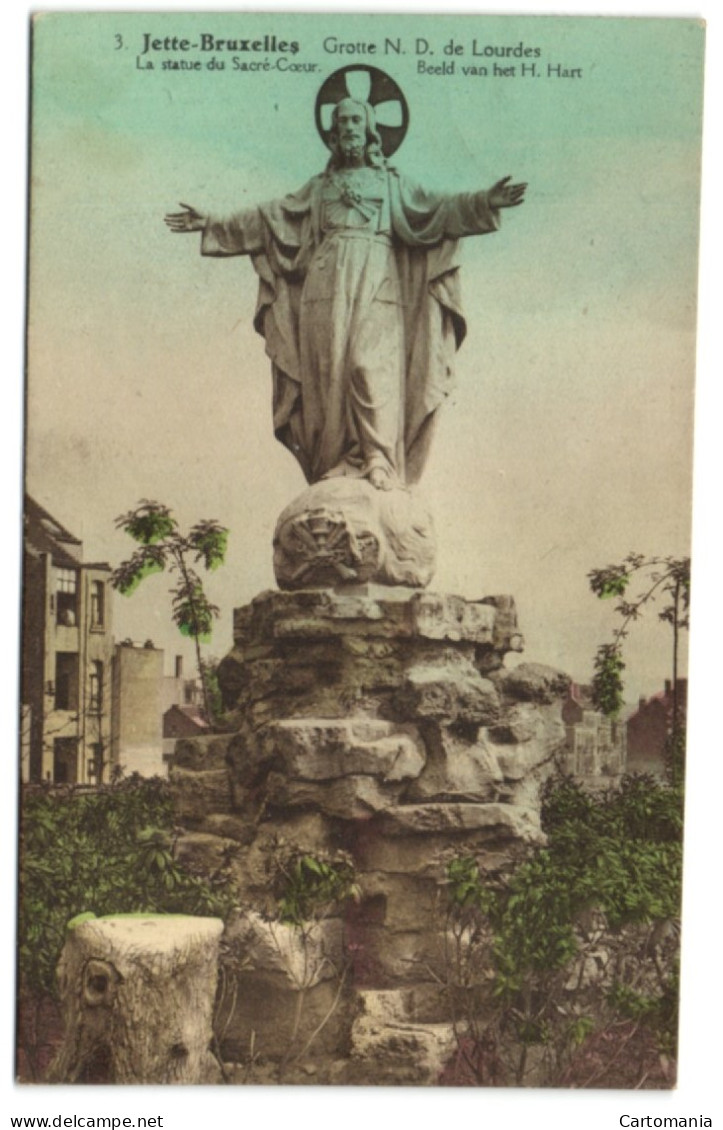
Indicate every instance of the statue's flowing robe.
{"type": "Point", "coordinates": [361, 332]}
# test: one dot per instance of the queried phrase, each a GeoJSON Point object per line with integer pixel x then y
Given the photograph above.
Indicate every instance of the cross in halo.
{"type": "Point", "coordinates": [365, 84]}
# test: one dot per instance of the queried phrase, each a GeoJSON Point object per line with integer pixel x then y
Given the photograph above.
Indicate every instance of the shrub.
{"type": "Point", "coordinates": [310, 886]}
{"type": "Point", "coordinates": [109, 851]}
{"type": "Point", "coordinates": [619, 853]}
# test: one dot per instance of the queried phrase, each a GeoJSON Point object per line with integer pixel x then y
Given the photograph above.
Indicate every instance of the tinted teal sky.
{"type": "Point", "coordinates": [568, 441]}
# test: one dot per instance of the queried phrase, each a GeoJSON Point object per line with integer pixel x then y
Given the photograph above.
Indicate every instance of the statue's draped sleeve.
{"type": "Point", "coordinates": [281, 237]}
{"type": "Point", "coordinates": [423, 218]}
{"type": "Point", "coordinates": [427, 226]}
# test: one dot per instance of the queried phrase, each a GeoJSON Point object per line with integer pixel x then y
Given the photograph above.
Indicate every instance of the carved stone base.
{"type": "Point", "coordinates": [343, 531]}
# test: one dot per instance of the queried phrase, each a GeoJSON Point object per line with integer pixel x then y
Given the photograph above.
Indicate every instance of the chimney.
{"type": "Point", "coordinates": [179, 666]}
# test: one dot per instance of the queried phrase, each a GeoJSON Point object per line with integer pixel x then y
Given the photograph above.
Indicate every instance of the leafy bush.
{"type": "Point", "coordinates": [619, 853]}
{"type": "Point", "coordinates": [658, 1013]}
{"type": "Point", "coordinates": [104, 852]}
{"type": "Point", "coordinates": [640, 809]}
{"type": "Point", "coordinates": [311, 886]}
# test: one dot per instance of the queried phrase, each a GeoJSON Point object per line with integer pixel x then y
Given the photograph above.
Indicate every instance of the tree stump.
{"type": "Point", "coordinates": [137, 994]}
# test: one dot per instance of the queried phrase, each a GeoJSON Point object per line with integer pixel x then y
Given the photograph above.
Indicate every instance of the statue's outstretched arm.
{"type": "Point", "coordinates": [188, 220]}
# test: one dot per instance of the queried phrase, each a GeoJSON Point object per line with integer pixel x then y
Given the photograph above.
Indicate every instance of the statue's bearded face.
{"type": "Point", "coordinates": [350, 125]}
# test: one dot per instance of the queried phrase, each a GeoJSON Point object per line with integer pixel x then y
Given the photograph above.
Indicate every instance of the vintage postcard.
{"type": "Point", "coordinates": [360, 369]}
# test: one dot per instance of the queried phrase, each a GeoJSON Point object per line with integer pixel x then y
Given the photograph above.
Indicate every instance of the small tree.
{"type": "Point", "coordinates": [212, 689]}
{"type": "Point", "coordinates": [667, 576]}
{"type": "Point", "coordinates": [163, 546]}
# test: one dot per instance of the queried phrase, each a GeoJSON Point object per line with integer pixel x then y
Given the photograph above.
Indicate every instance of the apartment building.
{"type": "Point", "coordinates": [67, 654]}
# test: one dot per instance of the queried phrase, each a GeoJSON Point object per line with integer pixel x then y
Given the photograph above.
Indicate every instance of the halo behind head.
{"type": "Point", "coordinates": [370, 86]}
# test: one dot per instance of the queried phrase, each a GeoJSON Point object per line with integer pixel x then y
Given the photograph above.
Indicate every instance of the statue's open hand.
{"type": "Point", "coordinates": [188, 220]}
{"type": "Point", "coordinates": [506, 195]}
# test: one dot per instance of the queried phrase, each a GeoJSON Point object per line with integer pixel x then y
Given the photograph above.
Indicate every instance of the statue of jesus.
{"type": "Point", "coordinates": [358, 302]}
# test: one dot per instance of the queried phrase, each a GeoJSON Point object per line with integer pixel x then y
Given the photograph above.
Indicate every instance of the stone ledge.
{"type": "Point", "coordinates": [355, 797]}
{"type": "Point", "coordinates": [448, 694]}
{"type": "Point", "coordinates": [203, 851]}
{"type": "Point", "coordinates": [532, 682]}
{"type": "Point", "coordinates": [196, 793]}
{"type": "Point", "coordinates": [205, 752]}
{"type": "Point", "coordinates": [508, 821]}
{"type": "Point", "coordinates": [321, 749]}
{"type": "Point", "coordinates": [377, 610]}
{"type": "Point", "coordinates": [242, 831]}
{"type": "Point", "coordinates": [268, 1022]}
{"type": "Point", "coordinates": [395, 1050]}
{"type": "Point", "coordinates": [302, 958]}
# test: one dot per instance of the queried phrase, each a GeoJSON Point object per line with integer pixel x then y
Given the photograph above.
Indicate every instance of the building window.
{"type": "Point", "coordinates": [66, 589]}
{"type": "Point", "coordinates": [66, 680]}
{"type": "Point", "coordinates": [95, 704]}
{"type": "Point", "coordinates": [97, 604]}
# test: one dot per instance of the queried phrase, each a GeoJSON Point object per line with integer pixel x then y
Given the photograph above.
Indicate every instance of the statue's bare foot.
{"type": "Point", "coordinates": [380, 478]}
